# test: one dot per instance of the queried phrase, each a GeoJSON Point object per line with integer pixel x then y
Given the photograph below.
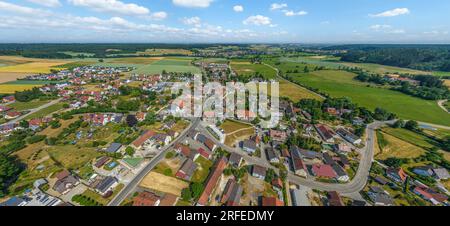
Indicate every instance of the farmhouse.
{"type": "Point", "coordinates": [271, 201]}
{"type": "Point", "coordinates": [278, 135]}
{"type": "Point", "coordinates": [349, 137]}
{"type": "Point", "coordinates": [187, 170]}
{"type": "Point", "coordinates": [65, 182]}
{"type": "Point", "coordinates": [141, 140]}
{"type": "Point", "coordinates": [297, 163]}
{"type": "Point", "coordinates": [259, 172]}
{"type": "Point", "coordinates": [325, 171]}
{"type": "Point", "coordinates": [325, 133]}
{"type": "Point", "coordinates": [146, 199]}
{"type": "Point", "coordinates": [213, 178]}
{"type": "Point", "coordinates": [232, 193]}
{"type": "Point", "coordinates": [249, 146]}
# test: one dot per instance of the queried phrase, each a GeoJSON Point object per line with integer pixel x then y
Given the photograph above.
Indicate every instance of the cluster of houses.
{"type": "Point", "coordinates": [397, 178]}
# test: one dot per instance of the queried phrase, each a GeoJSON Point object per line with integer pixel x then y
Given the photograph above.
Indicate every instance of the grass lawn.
{"type": "Point", "coordinates": [395, 147]}
{"type": "Point", "coordinates": [202, 171]}
{"type": "Point", "coordinates": [21, 106]}
{"type": "Point", "coordinates": [46, 111]}
{"type": "Point", "coordinates": [133, 162]}
{"type": "Point", "coordinates": [342, 84]}
{"type": "Point", "coordinates": [72, 156]}
{"type": "Point", "coordinates": [97, 197]}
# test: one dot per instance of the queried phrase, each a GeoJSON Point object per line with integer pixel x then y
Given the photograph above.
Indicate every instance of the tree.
{"type": "Point", "coordinates": [131, 120]}
{"type": "Point", "coordinates": [129, 150]}
{"type": "Point", "coordinates": [412, 125]}
{"type": "Point", "coordinates": [24, 124]}
{"type": "Point", "coordinates": [197, 189]}
{"type": "Point", "coordinates": [399, 124]}
{"type": "Point", "coordinates": [9, 169]}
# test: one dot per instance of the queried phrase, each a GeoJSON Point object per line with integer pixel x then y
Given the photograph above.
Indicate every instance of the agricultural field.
{"type": "Point", "coordinates": [180, 65]}
{"type": "Point", "coordinates": [342, 84]}
{"type": "Point", "coordinates": [159, 182]}
{"type": "Point", "coordinates": [246, 68]}
{"type": "Point", "coordinates": [12, 88]}
{"type": "Point", "coordinates": [165, 52]}
{"type": "Point", "coordinates": [410, 137]}
{"type": "Point", "coordinates": [393, 147]}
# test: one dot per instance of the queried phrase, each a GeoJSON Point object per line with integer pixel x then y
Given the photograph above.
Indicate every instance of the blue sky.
{"type": "Point", "coordinates": [225, 21]}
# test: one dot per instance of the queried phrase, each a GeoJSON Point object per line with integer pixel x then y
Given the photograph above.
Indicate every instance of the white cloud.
{"type": "Point", "coordinates": [158, 15]}
{"type": "Point", "coordinates": [238, 8]}
{"type": "Point", "coordinates": [47, 3]}
{"type": "Point", "coordinates": [292, 13]}
{"type": "Point", "coordinates": [193, 21]}
{"type": "Point", "coordinates": [392, 13]}
{"type": "Point", "coordinates": [386, 29]}
{"type": "Point", "coordinates": [258, 20]}
{"type": "Point", "coordinates": [193, 3]}
{"type": "Point", "coordinates": [113, 6]}
{"type": "Point", "coordinates": [277, 6]}
{"type": "Point", "coordinates": [9, 7]}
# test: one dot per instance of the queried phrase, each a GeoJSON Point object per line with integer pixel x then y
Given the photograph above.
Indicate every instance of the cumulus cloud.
{"type": "Point", "coordinates": [193, 3]}
{"type": "Point", "coordinates": [47, 3]}
{"type": "Point", "coordinates": [158, 16]}
{"type": "Point", "coordinates": [277, 6]}
{"type": "Point", "coordinates": [238, 8]}
{"type": "Point", "coordinates": [112, 6]}
{"type": "Point", "coordinates": [258, 20]}
{"type": "Point", "coordinates": [392, 13]}
{"type": "Point", "coordinates": [292, 13]}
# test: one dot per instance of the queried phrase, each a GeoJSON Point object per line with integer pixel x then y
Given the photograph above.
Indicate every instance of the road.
{"type": "Point", "coordinates": [18, 119]}
{"type": "Point", "coordinates": [147, 168]}
{"type": "Point", "coordinates": [354, 186]}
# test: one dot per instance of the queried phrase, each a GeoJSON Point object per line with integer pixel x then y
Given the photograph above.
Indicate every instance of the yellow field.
{"type": "Point", "coordinates": [162, 183]}
{"type": "Point", "coordinates": [34, 67]}
{"type": "Point", "coordinates": [11, 88]}
{"type": "Point", "coordinates": [295, 93]}
{"type": "Point", "coordinates": [399, 149]}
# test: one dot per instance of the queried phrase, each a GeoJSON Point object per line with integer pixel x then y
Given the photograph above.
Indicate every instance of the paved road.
{"type": "Point", "coordinates": [34, 111]}
{"type": "Point", "coordinates": [354, 186]}
{"type": "Point", "coordinates": [153, 162]}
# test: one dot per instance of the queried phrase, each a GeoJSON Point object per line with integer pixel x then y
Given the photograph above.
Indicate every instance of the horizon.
{"type": "Point", "coordinates": [222, 22]}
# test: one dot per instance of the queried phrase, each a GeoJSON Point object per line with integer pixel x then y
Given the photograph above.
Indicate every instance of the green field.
{"type": "Point", "coordinates": [46, 111]}
{"type": "Point", "coordinates": [342, 84]}
{"type": "Point", "coordinates": [21, 106]}
{"type": "Point", "coordinates": [247, 69]}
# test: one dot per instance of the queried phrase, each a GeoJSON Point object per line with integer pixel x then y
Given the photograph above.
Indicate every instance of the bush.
{"type": "Point", "coordinates": [36, 138]}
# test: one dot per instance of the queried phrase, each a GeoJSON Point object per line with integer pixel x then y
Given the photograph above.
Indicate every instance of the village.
{"type": "Point", "coordinates": [117, 141]}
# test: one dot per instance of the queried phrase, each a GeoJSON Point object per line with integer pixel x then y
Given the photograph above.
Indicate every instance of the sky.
{"type": "Point", "coordinates": [225, 21]}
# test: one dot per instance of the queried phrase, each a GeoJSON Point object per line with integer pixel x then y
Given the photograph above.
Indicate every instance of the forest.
{"type": "Point", "coordinates": [420, 57]}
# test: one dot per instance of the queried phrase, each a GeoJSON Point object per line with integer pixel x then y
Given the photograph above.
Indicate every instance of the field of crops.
{"type": "Point", "coordinates": [12, 88]}
{"type": "Point", "coordinates": [342, 84]}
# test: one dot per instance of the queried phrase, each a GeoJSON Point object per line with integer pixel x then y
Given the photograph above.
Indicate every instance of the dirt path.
{"type": "Point", "coordinates": [441, 105]}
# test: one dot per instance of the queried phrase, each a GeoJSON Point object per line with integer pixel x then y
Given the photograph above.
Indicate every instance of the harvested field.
{"type": "Point", "coordinates": [11, 76]}
{"type": "Point", "coordinates": [397, 148]}
{"type": "Point", "coordinates": [162, 183]}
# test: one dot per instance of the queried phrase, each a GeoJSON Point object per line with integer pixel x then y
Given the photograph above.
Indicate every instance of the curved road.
{"type": "Point", "coordinates": [153, 162]}
{"type": "Point", "coordinates": [355, 185]}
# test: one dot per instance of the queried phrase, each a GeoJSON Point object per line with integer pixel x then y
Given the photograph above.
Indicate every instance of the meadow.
{"type": "Point", "coordinates": [341, 84]}
{"type": "Point", "coordinates": [46, 111]}
{"type": "Point", "coordinates": [21, 106]}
